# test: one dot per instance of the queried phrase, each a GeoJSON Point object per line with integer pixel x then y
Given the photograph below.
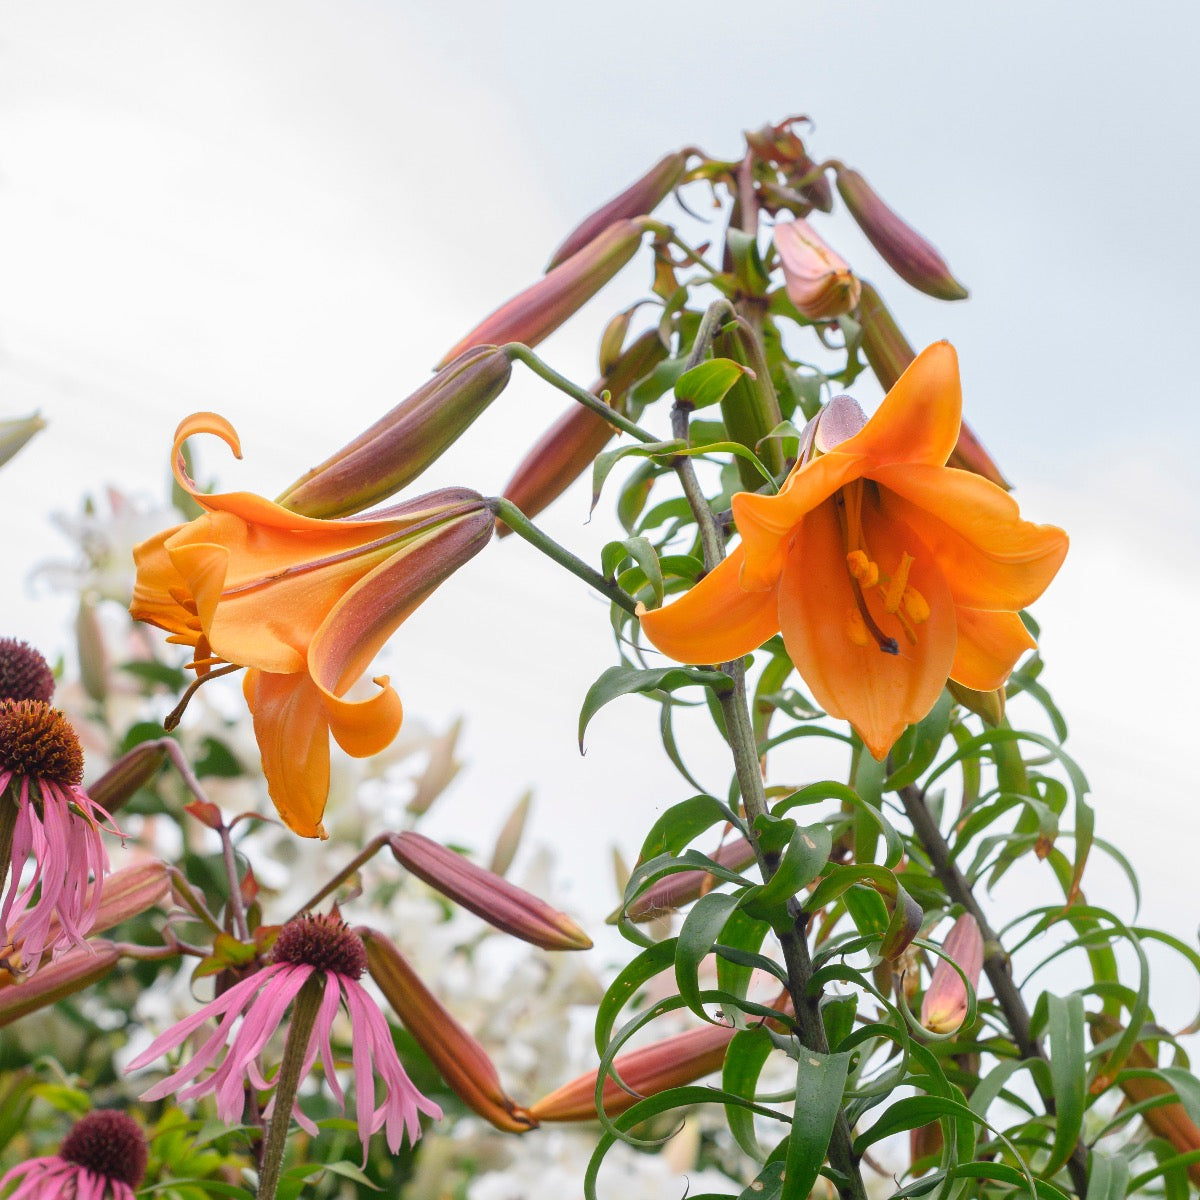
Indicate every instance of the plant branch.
{"type": "Point", "coordinates": [996, 962]}
{"type": "Point", "coordinates": [519, 353]}
{"type": "Point", "coordinates": [520, 524]}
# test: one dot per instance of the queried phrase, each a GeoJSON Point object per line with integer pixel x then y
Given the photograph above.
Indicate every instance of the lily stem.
{"type": "Point", "coordinates": [520, 524]}
{"type": "Point", "coordinates": [744, 748]}
{"type": "Point", "coordinates": [519, 353]}
{"type": "Point", "coordinates": [368, 852]}
{"type": "Point", "coordinates": [995, 962]}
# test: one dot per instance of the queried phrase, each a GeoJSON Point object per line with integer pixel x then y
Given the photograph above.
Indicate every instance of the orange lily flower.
{"type": "Point", "coordinates": [305, 604]}
{"type": "Point", "coordinates": [886, 571]}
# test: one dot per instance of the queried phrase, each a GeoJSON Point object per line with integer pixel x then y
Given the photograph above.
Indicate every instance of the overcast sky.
{"type": "Point", "coordinates": [287, 210]}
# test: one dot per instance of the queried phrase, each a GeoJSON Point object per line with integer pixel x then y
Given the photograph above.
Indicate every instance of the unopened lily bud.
{"type": "Point", "coordinates": [14, 433]}
{"type": "Point", "coordinates": [639, 199]}
{"type": "Point", "coordinates": [133, 770]}
{"type": "Point", "coordinates": [988, 705]}
{"type": "Point", "coordinates": [401, 444]}
{"type": "Point", "coordinates": [818, 280]}
{"type": "Point", "coordinates": [89, 645]}
{"type": "Point", "coordinates": [669, 1063]}
{"type": "Point", "coordinates": [904, 250]}
{"type": "Point", "coordinates": [889, 354]}
{"type": "Point", "coordinates": [534, 314]}
{"type": "Point", "coordinates": [1169, 1121]}
{"type": "Point", "coordinates": [66, 975]}
{"type": "Point", "coordinates": [674, 891]}
{"type": "Point", "coordinates": [925, 1142]}
{"type": "Point", "coordinates": [460, 1059]}
{"type": "Point", "coordinates": [487, 895]}
{"type": "Point", "coordinates": [945, 1005]}
{"type": "Point", "coordinates": [440, 770]}
{"type": "Point", "coordinates": [510, 836]}
{"type": "Point", "coordinates": [571, 444]}
{"type": "Point", "coordinates": [886, 348]}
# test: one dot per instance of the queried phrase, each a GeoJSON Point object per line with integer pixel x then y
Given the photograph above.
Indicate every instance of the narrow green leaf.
{"type": "Point", "coordinates": [621, 681]}
{"type": "Point", "coordinates": [1068, 1074]}
{"type": "Point", "coordinates": [820, 1083]}
{"type": "Point", "coordinates": [748, 1051]}
{"type": "Point", "coordinates": [701, 928]}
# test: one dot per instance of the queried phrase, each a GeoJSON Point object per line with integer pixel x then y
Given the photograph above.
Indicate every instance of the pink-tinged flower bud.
{"type": "Point", "coordinates": [534, 314]}
{"type": "Point", "coordinates": [509, 839]}
{"type": "Point", "coordinates": [90, 648]}
{"type": "Point", "coordinates": [904, 250]}
{"type": "Point", "coordinates": [130, 892]}
{"type": "Point", "coordinates": [925, 1143]}
{"type": "Point", "coordinates": [945, 1005]}
{"type": "Point", "coordinates": [460, 1059]}
{"type": "Point", "coordinates": [70, 973]}
{"type": "Point", "coordinates": [639, 199]}
{"type": "Point", "coordinates": [674, 891]}
{"type": "Point", "coordinates": [669, 1063]}
{"type": "Point", "coordinates": [487, 895]}
{"type": "Point", "coordinates": [818, 280]}
{"type": "Point", "coordinates": [133, 770]}
{"type": "Point", "coordinates": [889, 354]}
{"type": "Point", "coordinates": [401, 444]}
{"type": "Point", "coordinates": [571, 444]}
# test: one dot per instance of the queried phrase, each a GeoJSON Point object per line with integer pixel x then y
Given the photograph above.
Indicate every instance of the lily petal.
{"type": "Point", "coordinates": [291, 726]}
{"type": "Point", "coordinates": [879, 693]}
{"type": "Point", "coordinates": [717, 621]}
{"type": "Point", "coordinates": [989, 644]}
{"type": "Point", "coordinates": [919, 418]}
{"type": "Point", "coordinates": [766, 522]}
{"type": "Point", "coordinates": [991, 558]}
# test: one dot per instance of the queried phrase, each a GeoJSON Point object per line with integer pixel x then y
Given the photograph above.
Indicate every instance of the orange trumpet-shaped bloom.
{"type": "Point", "coordinates": [305, 604]}
{"type": "Point", "coordinates": [886, 571]}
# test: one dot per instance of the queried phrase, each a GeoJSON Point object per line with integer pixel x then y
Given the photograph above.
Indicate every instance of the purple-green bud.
{"type": "Point", "coordinates": [532, 315]}
{"type": "Point", "coordinates": [487, 895]}
{"type": "Point", "coordinates": [639, 199]}
{"type": "Point", "coordinates": [914, 259]}
{"type": "Point", "coordinates": [133, 770]}
{"type": "Point", "coordinates": [401, 444]}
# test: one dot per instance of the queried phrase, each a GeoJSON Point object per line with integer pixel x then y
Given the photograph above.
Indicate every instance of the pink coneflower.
{"type": "Point", "coordinates": [102, 1158]}
{"type": "Point", "coordinates": [321, 949]}
{"type": "Point", "coordinates": [48, 819]}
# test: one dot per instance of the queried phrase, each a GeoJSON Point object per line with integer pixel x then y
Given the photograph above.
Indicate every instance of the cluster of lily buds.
{"type": "Point", "coordinates": [804, 179]}
{"type": "Point", "coordinates": [818, 280]}
{"type": "Point", "coordinates": [532, 315]}
{"type": "Point", "coordinates": [571, 444]}
{"type": "Point", "coordinates": [913, 258]}
{"type": "Point", "coordinates": [487, 895]}
{"type": "Point", "coordinates": [403, 443]}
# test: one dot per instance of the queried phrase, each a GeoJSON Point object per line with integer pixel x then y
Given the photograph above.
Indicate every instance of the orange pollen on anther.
{"type": "Point", "coordinates": [916, 606]}
{"type": "Point", "coordinates": [862, 568]}
{"type": "Point", "coordinates": [856, 629]}
{"type": "Point", "coordinates": [894, 592]}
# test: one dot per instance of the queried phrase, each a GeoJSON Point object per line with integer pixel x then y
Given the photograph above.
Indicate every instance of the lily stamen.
{"type": "Point", "coordinates": [894, 593]}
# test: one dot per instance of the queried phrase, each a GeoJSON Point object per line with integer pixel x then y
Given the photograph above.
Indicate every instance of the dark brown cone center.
{"type": "Point", "coordinates": [109, 1143]}
{"type": "Point", "coordinates": [38, 741]}
{"type": "Point", "coordinates": [323, 942]}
